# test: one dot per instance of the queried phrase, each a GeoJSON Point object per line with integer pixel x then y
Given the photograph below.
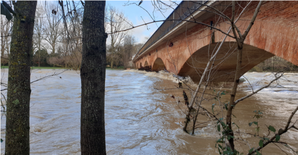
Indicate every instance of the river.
{"type": "Point", "coordinates": [142, 118]}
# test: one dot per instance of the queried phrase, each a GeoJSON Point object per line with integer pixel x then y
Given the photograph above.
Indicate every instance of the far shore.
{"type": "Point", "coordinates": [35, 67]}
{"type": "Point", "coordinates": [122, 68]}
{"type": "Point", "coordinates": [48, 67]}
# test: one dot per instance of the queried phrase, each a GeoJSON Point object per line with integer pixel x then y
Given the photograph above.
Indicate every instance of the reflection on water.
{"type": "Point", "coordinates": [143, 120]}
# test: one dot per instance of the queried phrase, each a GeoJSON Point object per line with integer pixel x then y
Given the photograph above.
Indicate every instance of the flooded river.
{"type": "Point", "coordinates": [142, 118]}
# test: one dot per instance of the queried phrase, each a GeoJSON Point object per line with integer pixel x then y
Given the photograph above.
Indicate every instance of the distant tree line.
{"type": "Point", "coordinates": [275, 64]}
{"type": "Point", "coordinates": [121, 55]}
{"type": "Point", "coordinates": [54, 46]}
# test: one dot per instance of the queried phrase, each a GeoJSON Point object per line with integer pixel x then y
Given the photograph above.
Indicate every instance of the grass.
{"type": "Point", "coordinates": [35, 67]}
{"type": "Point", "coordinates": [118, 68]}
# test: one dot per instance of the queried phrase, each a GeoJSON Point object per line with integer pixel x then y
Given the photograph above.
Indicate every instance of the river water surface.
{"type": "Point", "coordinates": [142, 118]}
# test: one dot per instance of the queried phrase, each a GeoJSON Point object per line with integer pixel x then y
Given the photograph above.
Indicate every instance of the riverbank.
{"type": "Point", "coordinates": [35, 67]}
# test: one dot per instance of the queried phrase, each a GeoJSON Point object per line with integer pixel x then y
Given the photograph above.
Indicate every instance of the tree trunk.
{"type": "Point", "coordinates": [233, 95]}
{"type": "Point", "coordinates": [112, 63]}
{"type": "Point", "coordinates": [93, 79]}
{"type": "Point", "coordinates": [18, 94]}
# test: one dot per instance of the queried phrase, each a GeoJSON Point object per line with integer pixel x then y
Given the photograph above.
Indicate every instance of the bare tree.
{"type": "Point", "coordinates": [52, 29]}
{"type": "Point", "coordinates": [128, 50]}
{"type": "Point", "coordinates": [5, 39]}
{"type": "Point", "coordinates": [39, 32]}
{"type": "Point", "coordinates": [70, 40]}
{"type": "Point", "coordinates": [240, 38]}
{"type": "Point", "coordinates": [115, 22]}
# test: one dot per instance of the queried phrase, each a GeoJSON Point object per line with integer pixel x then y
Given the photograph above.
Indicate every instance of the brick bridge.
{"type": "Point", "coordinates": [184, 47]}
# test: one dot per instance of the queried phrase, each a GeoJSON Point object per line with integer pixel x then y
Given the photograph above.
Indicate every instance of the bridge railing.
{"type": "Point", "coordinates": [182, 11]}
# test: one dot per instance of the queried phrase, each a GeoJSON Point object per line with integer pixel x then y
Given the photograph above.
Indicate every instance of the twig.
{"type": "Point", "coordinates": [280, 148]}
{"type": "Point", "coordinates": [190, 21]}
{"type": "Point", "coordinates": [82, 3]}
{"type": "Point", "coordinates": [55, 74]}
{"type": "Point", "coordinates": [252, 21]}
{"type": "Point", "coordinates": [280, 132]}
{"type": "Point", "coordinates": [254, 92]}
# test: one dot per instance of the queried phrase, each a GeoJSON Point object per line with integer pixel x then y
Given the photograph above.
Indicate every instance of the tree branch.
{"type": "Point", "coordinates": [254, 92]}
{"type": "Point", "coordinates": [55, 74]}
{"type": "Point", "coordinates": [175, 20]}
{"type": "Point", "coordinates": [280, 132]}
{"type": "Point", "coordinates": [252, 20]}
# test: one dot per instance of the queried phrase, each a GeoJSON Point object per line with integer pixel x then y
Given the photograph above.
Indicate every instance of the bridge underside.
{"type": "Point", "coordinates": [224, 66]}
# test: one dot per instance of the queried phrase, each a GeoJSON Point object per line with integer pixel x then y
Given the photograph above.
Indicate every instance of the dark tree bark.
{"type": "Point", "coordinates": [93, 79]}
{"type": "Point", "coordinates": [18, 94]}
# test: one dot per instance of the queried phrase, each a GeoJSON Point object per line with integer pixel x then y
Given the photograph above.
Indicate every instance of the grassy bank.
{"type": "Point", "coordinates": [117, 68]}
{"type": "Point", "coordinates": [35, 67]}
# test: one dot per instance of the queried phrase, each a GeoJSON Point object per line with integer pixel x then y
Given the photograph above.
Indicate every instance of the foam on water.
{"type": "Point", "coordinates": [284, 88]}
{"type": "Point", "coordinates": [166, 76]}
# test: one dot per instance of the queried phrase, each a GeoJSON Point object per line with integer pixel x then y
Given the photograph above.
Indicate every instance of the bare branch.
{"type": "Point", "coordinates": [55, 74]}
{"type": "Point", "coordinates": [254, 92]}
{"type": "Point", "coordinates": [146, 11]}
{"type": "Point", "coordinates": [82, 3]}
{"type": "Point", "coordinates": [176, 20]}
{"type": "Point", "coordinates": [166, 4]}
{"type": "Point", "coordinates": [252, 20]}
{"type": "Point", "coordinates": [290, 118]}
{"type": "Point", "coordinates": [64, 17]}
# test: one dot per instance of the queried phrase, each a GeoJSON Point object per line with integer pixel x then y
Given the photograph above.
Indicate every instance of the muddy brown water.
{"type": "Point", "coordinates": [143, 118]}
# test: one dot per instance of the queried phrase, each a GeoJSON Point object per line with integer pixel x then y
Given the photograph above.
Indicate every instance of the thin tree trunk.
{"type": "Point", "coordinates": [233, 95]}
{"type": "Point", "coordinates": [93, 79]}
{"type": "Point", "coordinates": [240, 43]}
{"type": "Point", "coordinates": [18, 94]}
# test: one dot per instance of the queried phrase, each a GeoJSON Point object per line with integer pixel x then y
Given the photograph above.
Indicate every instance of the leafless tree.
{"type": "Point", "coordinates": [52, 29]}
{"type": "Point", "coordinates": [5, 39]}
{"type": "Point", "coordinates": [128, 50]}
{"type": "Point", "coordinates": [38, 34]}
{"type": "Point", "coordinates": [114, 23]}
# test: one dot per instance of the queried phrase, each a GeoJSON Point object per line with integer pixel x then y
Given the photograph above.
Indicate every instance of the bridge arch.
{"type": "Point", "coordinates": [158, 65]}
{"type": "Point", "coordinates": [146, 64]}
{"type": "Point", "coordinates": [224, 64]}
